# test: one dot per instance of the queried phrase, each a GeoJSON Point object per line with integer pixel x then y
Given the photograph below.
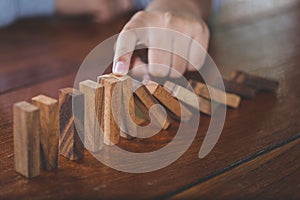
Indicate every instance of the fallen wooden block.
{"type": "Point", "coordinates": [215, 94]}
{"type": "Point", "coordinates": [165, 97]}
{"type": "Point", "coordinates": [111, 115]}
{"type": "Point", "coordinates": [93, 114]}
{"type": "Point", "coordinates": [147, 101]}
{"type": "Point", "coordinates": [256, 82]}
{"type": "Point", "coordinates": [70, 144]}
{"type": "Point", "coordinates": [26, 139]}
{"type": "Point", "coordinates": [49, 123]}
{"type": "Point", "coordinates": [189, 97]}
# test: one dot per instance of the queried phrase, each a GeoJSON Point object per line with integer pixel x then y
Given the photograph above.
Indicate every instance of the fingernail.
{"type": "Point", "coordinates": [120, 68]}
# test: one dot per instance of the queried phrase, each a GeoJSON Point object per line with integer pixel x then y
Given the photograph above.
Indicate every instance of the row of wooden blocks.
{"type": "Point", "coordinates": [100, 112]}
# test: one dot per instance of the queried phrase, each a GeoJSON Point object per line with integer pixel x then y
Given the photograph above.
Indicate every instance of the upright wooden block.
{"type": "Point", "coordinates": [111, 115]}
{"type": "Point", "coordinates": [189, 97]}
{"type": "Point", "coordinates": [93, 114]}
{"type": "Point", "coordinates": [71, 112]}
{"type": "Point", "coordinates": [145, 97]}
{"type": "Point", "coordinates": [256, 82]}
{"type": "Point", "coordinates": [216, 95]}
{"type": "Point", "coordinates": [49, 123]}
{"type": "Point", "coordinates": [165, 97]}
{"type": "Point", "coordinates": [26, 139]}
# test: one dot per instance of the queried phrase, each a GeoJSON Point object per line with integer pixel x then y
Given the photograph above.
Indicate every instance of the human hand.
{"type": "Point", "coordinates": [195, 33]}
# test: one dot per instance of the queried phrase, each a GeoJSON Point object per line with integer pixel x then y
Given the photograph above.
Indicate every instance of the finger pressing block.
{"type": "Point", "coordinates": [49, 123]}
{"type": "Point", "coordinates": [93, 114]}
{"type": "Point", "coordinates": [26, 139]}
{"type": "Point", "coordinates": [71, 123]}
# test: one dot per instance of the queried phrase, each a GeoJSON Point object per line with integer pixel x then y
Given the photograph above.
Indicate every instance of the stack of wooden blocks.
{"type": "Point", "coordinates": [101, 112]}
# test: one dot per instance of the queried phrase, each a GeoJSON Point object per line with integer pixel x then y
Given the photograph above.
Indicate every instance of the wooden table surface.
{"type": "Point", "coordinates": [257, 155]}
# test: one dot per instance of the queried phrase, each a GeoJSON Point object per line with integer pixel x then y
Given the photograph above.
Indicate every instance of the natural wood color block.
{"type": "Point", "coordinates": [93, 114]}
{"type": "Point", "coordinates": [165, 97]}
{"type": "Point", "coordinates": [216, 95]}
{"type": "Point", "coordinates": [188, 97]}
{"type": "Point", "coordinates": [256, 82]}
{"type": "Point", "coordinates": [147, 101]}
{"type": "Point", "coordinates": [71, 112]}
{"type": "Point", "coordinates": [111, 120]}
{"type": "Point", "coordinates": [49, 123]}
{"type": "Point", "coordinates": [26, 139]}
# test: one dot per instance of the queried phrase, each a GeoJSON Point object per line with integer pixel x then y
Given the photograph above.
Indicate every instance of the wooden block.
{"type": "Point", "coordinates": [165, 97]}
{"type": "Point", "coordinates": [26, 139]}
{"type": "Point", "coordinates": [111, 120]}
{"type": "Point", "coordinates": [49, 123]}
{"type": "Point", "coordinates": [256, 82]}
{"type": "Point", "coordinates": [70, 144]}
{"type": "Point", "coordinates": [238, 89]}
{"type": "Point", "coordinates": [216, 95]}
{"type": "Point", "coordinates": [189, 97]}
{"type": "Point", "coordinates": [93, 114]}
{"type": "Point", "coordinates": [128, 127]}
{"type": "Point", "coordinates": [148, 101]}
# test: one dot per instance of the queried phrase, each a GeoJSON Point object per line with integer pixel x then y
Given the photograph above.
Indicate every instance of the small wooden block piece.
{"type": "Point", "coordinates": [165, 97]}
{"type": "Point", "coordinates": [49, 123]}
{"type": "Point", "coordinates": [147, 101]}
{"type": "Point", "coordinates": [93, 114]}
{"type": "Point", "coordinates": [215, 94]}
{"type": "Point", "coordinates": [112, 109]}
{"type": "Point", "coordinates": [26, 139]}
{"type": "Point", "coordinates": [71, 112]}
{"type": "Point", "coordinates": [189, 97]}
{"type": "Point", "coordinates": [256, 82]}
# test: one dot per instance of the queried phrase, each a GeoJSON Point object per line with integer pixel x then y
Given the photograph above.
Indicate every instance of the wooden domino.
{"type": "Point", "coordinates": [189, 97]}
{"type": "Point", "coordinates": [215, 94]}
{"type": "Point", "coordinates": [26, 132]}
{"type": "Point", "coordinates": [256, 82]}
{"type": "Point", "coordinates": [113, 97]}
{"type": "Point", "coordinates": [165, 97]}
{"type": "Point", "coordinates": [71, 123]}
{"type": "Point", "coordinates": [93, 114]}
{"type": "Point", "coordinates": [49, 123]}
{"type": "Point", "coordinates": [146, 101]}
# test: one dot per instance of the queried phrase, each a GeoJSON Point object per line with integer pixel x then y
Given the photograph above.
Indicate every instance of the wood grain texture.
{"type": "Point", "coordinates": [256, 82]}
{"type": "Point", "coordinates": [49, 135]}
{"type": "Point", "coordinates": [93, 114]}
{"type": "Point", "coordinates": [71, 119]}
{"type": "Point", "coordinates": [215, 94]}
{"type": "Point", "coordinates": [146, 101]}
{"type": "Point", "coordinates": [165, 98]}
{"type": "Point", "coordinates": [26, 139]}
{"type": "Point", "coordinates": [112, 108]}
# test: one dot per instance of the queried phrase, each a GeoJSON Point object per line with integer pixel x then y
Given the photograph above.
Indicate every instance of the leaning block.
{"type": "Point", "coordinates": [49, 123]}
{"type": "Point", "coordinates": [147, 101]}
{"type": "Point", "coordinates": [216, 95]}
{"type": "Point", "coordinates": [256, 82]}
{"type": "Point", "coordinates": [165, 97]}
{"type": "Point", "coordinates": [71, 123]}
{"type": "Point", "coordinates": [189, 97]}
{"type": "Point", "coordinates": [26, 139]}
{"type": "Point", "coordinates": [93, 114]}
{"type": "Point", "coordinates": [112, 98]}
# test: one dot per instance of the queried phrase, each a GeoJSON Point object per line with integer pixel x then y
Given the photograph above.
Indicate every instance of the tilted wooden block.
{"type": "Point", "coordinates": [26, 139]}
{"type": "Point", "coordinates": [145, 97]}
{"type": "Point", "coordinates": [256, 82]}
{"type": "Point", "coordinates": [113, 97]}
{"type": "Point", "coordinates": [49, 123]}
{"type": "Point", "coordinates": [165, 97]}
{"type": "Point", "coordinates": [189, 97]}
{"type": "Point", "coordinates": [93, 114]}
{"type": "Point", "coordinates": [71, 112]}
{"type": "Point", "coordinates": [215, 94]}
